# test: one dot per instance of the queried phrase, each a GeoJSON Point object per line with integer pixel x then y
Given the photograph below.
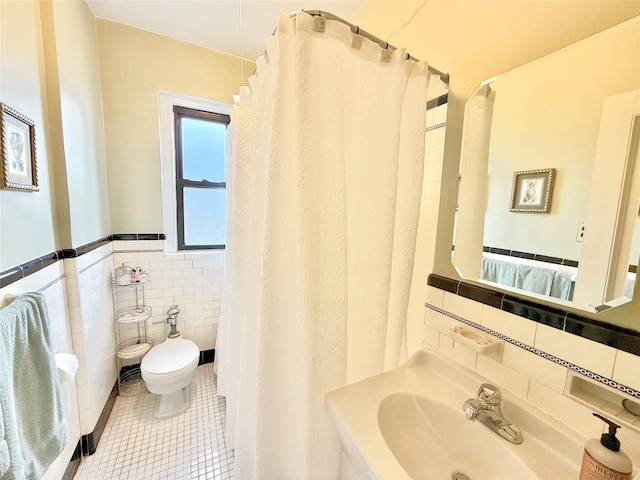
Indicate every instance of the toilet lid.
{"type": "Point", "coordinates": [170, 356]}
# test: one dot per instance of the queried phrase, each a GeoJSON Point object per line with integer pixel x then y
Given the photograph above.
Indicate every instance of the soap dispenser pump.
{"type": "Point", "coordinates": [603, 459]}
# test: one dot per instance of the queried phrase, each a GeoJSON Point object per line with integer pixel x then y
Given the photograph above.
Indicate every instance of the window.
{"type": "Point", "coordinates": [167, 104]}
{"type": "Point", "coordinates": [200, 178]}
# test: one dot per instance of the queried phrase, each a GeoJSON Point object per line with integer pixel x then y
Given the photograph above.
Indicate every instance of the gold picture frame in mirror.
{"type": "Point", "coordinates": [531, 191]}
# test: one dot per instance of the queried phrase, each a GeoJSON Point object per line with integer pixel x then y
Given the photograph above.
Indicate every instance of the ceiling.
{"type": "Point", "coordinates": [236, 27]}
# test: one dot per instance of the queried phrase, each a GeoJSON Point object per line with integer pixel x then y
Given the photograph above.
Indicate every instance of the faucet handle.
{"type": "Point", "coordinates": [173, 310]}
{"type": "Point", "coordinates": [489, 394]}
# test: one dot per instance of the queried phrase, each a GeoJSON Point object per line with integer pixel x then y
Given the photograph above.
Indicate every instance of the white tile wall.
{"type": "Point", "coordinates": [52, 282]}
{"type": "Point", "coordinates": [591, 355]}
{"type": "Point", "coordinates": [503, 375]}
{"type": "Point", "coordinates": [423, 258]}
{"type": "Point", "coordinates": [91, 315]}
{"type": "Point", "coordinates": [550, 374]}
{"type": "Point", "coordinates": [463, 307]}
{"type": "Point", "coordinates": [193, 281]}
{"type": "Point", "coordinates": [512, 326]}
{"type": "Point", "coordinates": [626, 369]}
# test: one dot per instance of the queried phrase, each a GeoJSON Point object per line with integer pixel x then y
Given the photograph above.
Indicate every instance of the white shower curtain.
{"type": "Point", "coordinates": [325, 172]}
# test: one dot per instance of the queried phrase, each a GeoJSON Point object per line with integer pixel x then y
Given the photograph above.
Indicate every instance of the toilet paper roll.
{"type": "Point", "coordinates": [67, 365]}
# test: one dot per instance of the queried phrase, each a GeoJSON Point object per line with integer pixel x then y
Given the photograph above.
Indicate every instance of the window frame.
{"type": "Point", "coordinates": [166, 101]}
{"type": "Point", "coordinates": [181, 183]}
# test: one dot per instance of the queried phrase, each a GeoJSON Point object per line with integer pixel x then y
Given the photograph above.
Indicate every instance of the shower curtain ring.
{"type": "Point", "coordinates": [387, 46]}
{"type": "Point", "coordinates": [357, 29]}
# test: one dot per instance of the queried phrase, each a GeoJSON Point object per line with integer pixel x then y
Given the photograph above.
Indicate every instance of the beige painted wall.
{"type": "Point", "coordinates": [80, 117]}
{"type": "Point", "coordinates": [26, 218]}
{"type": "Point", "coordinates": [473, 41]}
{"type": "Point", "coordinates": [552, 121]}
{"type": "Point", "coordinates": [135, 65]}
{"type": "Point", "coordinates": [49, 72]}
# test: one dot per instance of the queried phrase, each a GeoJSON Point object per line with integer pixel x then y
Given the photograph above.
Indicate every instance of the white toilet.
{"type": "Point", "coordinates": [167, 370]}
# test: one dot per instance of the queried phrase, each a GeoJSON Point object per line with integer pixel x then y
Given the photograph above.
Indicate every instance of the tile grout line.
{"type": "Point", "coordinates": [190, 446]}
{"type": "Point", "coordinates": [576, 368]}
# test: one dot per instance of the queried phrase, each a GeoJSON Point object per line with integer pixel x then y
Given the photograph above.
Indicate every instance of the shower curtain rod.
{"type": "Point", "coordinates": [444, 77]}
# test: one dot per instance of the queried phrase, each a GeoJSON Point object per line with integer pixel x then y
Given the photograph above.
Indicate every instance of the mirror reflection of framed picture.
{"type": "Point", "coordinates": [531, 191]}
{"type": "Point", "coordinates": [19, 168]}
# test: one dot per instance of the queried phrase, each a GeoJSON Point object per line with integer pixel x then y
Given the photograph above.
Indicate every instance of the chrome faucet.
{"type": "Point", "coordinates": [486, 409]}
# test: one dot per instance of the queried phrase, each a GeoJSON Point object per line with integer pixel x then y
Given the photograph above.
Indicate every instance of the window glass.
{"type": "Point", "coordinates": [203, 150]}
{"type": "Point", "coordinates": [204, 216]}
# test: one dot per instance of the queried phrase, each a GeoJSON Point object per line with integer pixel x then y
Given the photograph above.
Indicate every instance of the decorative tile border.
{"type": "Point", "coordinates": [583, 371]}
{"type": "Point", "coordinates": [436, 126]}
{"type": "Point", "coordinates": [617, 337]}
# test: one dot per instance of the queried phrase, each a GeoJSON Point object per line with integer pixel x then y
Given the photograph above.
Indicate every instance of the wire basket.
{"type": "Point", "coordinates": [130, 381]}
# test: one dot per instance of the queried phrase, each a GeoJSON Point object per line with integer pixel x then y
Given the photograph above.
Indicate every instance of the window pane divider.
{"type": "Point", "coordinates": [200, 183]}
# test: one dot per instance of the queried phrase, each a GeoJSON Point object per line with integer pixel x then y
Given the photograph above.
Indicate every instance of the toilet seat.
{"type": "Point", "coordinates": [170, 359]}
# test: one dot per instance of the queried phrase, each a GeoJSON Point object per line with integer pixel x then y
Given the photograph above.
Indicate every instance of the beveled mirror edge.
{"type": "Point", "coordinates": [587, 304]}
{"type": "Point", "coordinates": [621, 338]}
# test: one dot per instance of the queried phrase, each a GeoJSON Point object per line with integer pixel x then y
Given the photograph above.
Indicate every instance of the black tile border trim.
{"type": "Point", "coordinates": [138, 236]}
{"type": "Point", "coordinates": [436, 102]}
{"type": "Point", "coordinates": [549, 316]}
{"type": "Point", "coordinates": [583, 371]}
{"type": "Point", "coordinates": [620, 338]}
{"type": "Point", "coordinates": [76, 252]}
{"type": "Point", "coordinates": [530, 256]}
{"type": "Point", "coordinates": [539, 257]}
{"type": "Point", "coordinates": [207, 356]}
{"type": "Point", "coordinates": [74, 463]}
{"type": "Point", "coordinates": [90, 441]}
{"type": "Point", "coordinates": [11, 275]}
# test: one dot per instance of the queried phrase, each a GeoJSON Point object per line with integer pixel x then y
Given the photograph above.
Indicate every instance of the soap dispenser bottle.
{"type": "Point", "coordinates": [603, 459]}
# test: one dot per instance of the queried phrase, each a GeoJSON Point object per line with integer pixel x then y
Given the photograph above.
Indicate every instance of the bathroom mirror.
{"type": "Point", "coordinates": [549, 195]}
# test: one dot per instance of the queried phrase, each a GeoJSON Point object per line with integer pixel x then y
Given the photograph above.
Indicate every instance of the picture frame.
{"type": "Point", "coordinates": [19, 166]}
{"type": "Point", "coordinates": [531, 190]}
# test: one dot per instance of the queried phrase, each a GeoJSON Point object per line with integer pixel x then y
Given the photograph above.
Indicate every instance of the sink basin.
{"type": "Point", "coordinates": [448, 442]}
{"type": "Point", "coordinates": [408, 423]}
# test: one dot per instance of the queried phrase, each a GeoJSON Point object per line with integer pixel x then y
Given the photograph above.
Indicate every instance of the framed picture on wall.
{"type": "Point", "coordinates": [19, 168]}
{"type": "Point", "coordinates": [531, 191]}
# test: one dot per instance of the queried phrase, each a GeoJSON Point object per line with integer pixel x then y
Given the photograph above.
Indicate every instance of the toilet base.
{"type": "Point", "coordinates": [173, 404]}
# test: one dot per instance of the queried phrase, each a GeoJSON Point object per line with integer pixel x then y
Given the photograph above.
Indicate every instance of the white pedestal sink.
{"type": "Point", "coordinates": [409, 423]}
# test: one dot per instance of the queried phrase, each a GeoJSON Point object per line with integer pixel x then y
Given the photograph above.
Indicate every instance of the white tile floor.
{"type": "Point", "coordinates": [136, 446]}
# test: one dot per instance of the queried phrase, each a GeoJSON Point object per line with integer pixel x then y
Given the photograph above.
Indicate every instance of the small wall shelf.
{"type": "Point", "coordinates": [603, 399]}
{"type": "Point", "coordinates": [130, 320]}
